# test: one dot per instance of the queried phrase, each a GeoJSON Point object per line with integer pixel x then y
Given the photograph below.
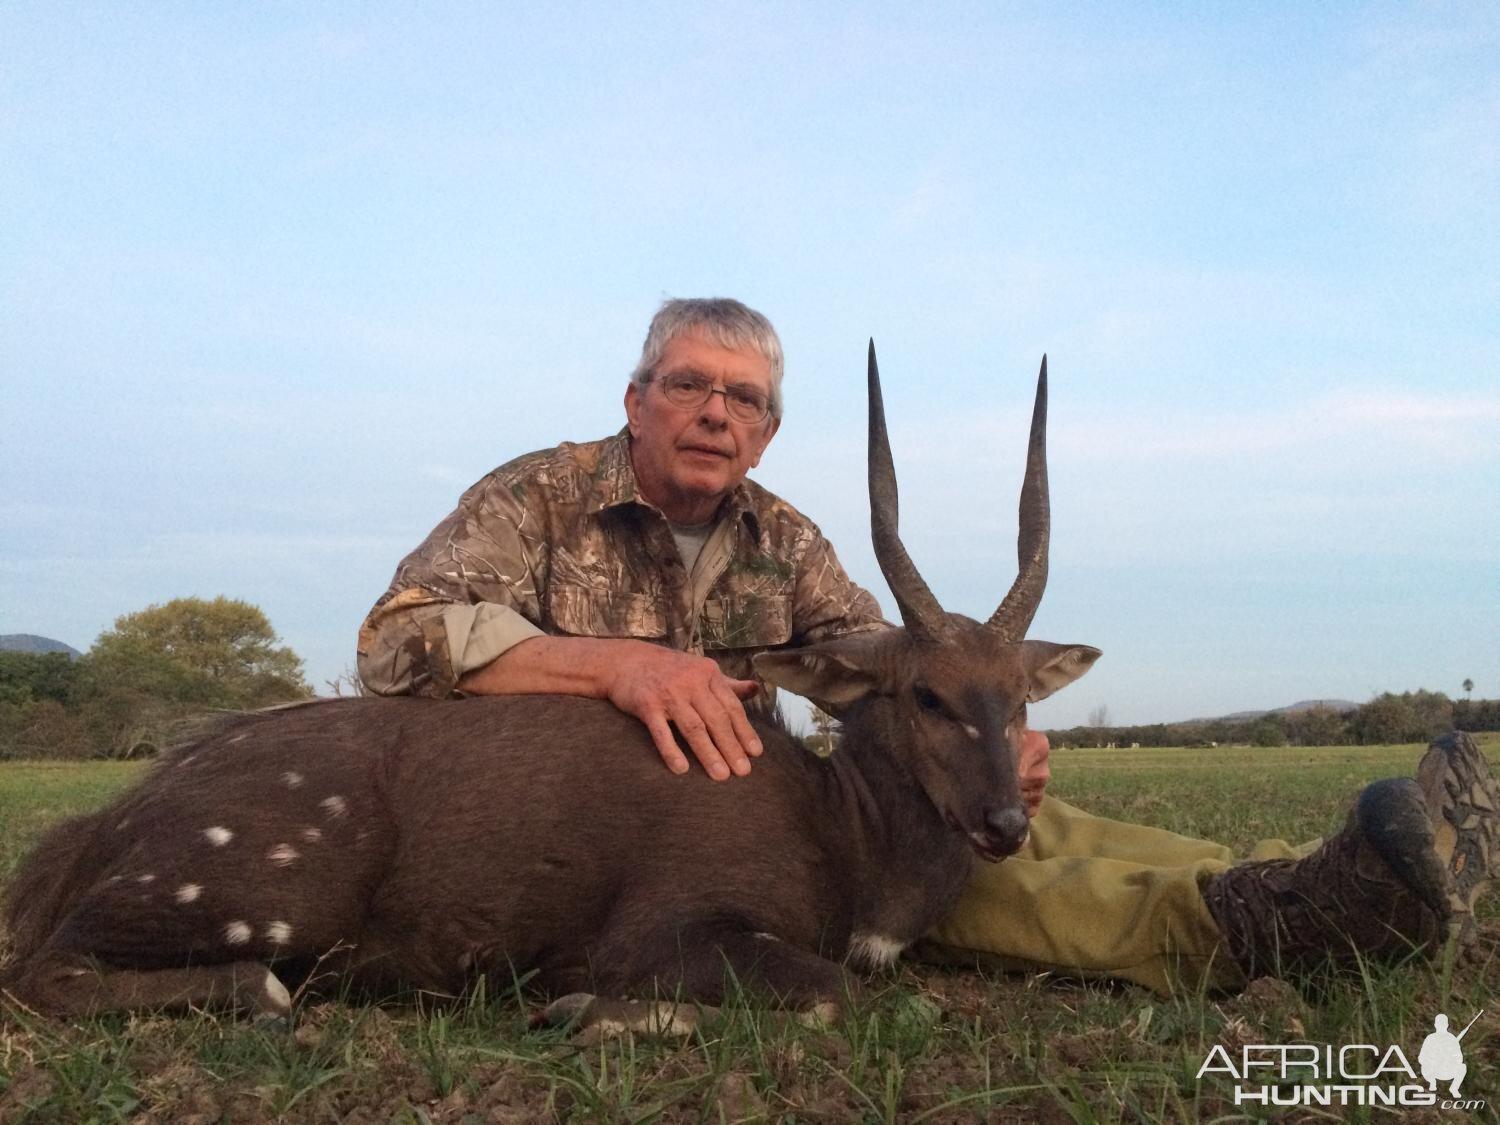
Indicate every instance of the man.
{"type": "Point", "coordinates": [647, 569]}
{"type": "Point", "coordinates": [610, 569]}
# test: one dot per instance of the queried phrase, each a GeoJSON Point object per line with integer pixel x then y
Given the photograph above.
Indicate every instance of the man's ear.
{"type": "Point", "coordinates": [632, 406]}
{"type": "Point", "coordinates": [1051, 667]}
{"type": "Point", "coordinates": [772, 425]}
{"type": "Point", "coordinates": [833, 674]}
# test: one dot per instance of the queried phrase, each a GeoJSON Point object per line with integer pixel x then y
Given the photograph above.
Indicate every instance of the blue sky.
{"type": "Point", "coordinates": [278, 282]}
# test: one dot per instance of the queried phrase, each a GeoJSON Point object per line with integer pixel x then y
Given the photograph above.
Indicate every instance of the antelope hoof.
{"type": "Point", "coordinates": [822, 1016]}
{"type": "Point", "coordinates": [593, 1020]}
{"type": "Point", "coordinates": [271, 1007]}
{"type": "Point", "coordinates": [563, 1011]}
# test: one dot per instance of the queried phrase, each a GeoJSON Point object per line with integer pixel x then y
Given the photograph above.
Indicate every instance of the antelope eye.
{"type": "Point", "coordinates": [928, 700]}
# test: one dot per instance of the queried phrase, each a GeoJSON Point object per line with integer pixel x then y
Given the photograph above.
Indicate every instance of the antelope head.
{"type": "Point", "coordinates": [946, 693]}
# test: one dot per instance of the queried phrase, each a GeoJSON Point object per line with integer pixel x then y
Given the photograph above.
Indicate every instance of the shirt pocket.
{"type": "Point", "coordinates": [746, 621]}
{"type": "Point", "coordinates": [582, 611]}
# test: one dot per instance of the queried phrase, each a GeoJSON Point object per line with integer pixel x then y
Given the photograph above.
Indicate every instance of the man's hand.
{"type": "Point", "coordinates": [1033, 769]}
{"type": "Point", "coordinates": [659, 686]}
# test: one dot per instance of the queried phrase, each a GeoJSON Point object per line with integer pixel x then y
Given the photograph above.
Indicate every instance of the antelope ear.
{"type": "Point", "coordinates": [1051, 667]}
{"type": "Point", "coordinates": [833, 674]}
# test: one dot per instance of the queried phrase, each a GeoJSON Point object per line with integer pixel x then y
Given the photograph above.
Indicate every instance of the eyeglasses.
{"type": "Point", "coordinates": [690, 390]}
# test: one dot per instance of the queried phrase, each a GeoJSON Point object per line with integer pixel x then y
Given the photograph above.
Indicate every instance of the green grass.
{"type": "Point", "coordinates": [922, 1045]}
{"type": "Point", "coordinates": [36, 794]}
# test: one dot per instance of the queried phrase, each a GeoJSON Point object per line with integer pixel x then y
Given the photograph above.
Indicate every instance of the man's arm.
{"type": "Point", "coordinates": [657, 685]}
{"type": "Point", "coordinates": [465, 595]}
{"type": "Point", "coordinates": [461, 615]}
{"type": "Point", "coordinates": [826, 602]}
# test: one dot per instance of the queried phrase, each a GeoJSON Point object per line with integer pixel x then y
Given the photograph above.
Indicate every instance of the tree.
{"type": "Point", "coordinates": [1269, 731]}
{"type": "Point", "coordinates": [1412, 716]}
{"type": "Point", "coordinates": [1317, 726]}
{"type": "Point", "coordinates": [1434, 715]}
{"type": "Point", "coordinates": [219, 653]}
{"type": "Point", "coordinates": [1468, 687]}
{"type": "Point", "coordinates": [27, 676]}
{"type": "Point", "coordinates": [1385, 719]}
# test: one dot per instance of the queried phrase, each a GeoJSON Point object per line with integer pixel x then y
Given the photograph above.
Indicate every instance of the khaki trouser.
{"type": "Point", "coordinates": [1088, 896]}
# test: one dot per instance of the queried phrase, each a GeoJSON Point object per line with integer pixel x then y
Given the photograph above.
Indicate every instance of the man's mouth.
{"type": "Point", "coordinates": [706, 451]}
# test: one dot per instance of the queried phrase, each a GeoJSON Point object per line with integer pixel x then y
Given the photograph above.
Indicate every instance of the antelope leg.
{"type": "Point", "coordinates": [66, 986]}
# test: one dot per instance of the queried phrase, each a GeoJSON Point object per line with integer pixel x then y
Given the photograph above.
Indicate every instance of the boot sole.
{"type": "Point", "coordinates": [1464, 807]}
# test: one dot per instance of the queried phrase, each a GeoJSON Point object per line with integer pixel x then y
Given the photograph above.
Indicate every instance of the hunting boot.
{"type": "Point", "coordinates": [1377, 891]}
{"type": "Point", "coordinates": [1464, 807]}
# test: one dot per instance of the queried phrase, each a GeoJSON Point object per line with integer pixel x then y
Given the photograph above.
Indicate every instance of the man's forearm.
{"type": "Point", "coordinates": [553, 665]}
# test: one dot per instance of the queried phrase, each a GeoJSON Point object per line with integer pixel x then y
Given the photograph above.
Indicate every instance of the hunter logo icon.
{"type": "Point", "coordinates": [1441, 1058]}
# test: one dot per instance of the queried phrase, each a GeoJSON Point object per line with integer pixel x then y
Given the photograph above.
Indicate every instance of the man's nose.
{"type": "Point", "coordinates": [714, 412]}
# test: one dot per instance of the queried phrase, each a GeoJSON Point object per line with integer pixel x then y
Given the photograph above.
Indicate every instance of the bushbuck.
{"type": "Point", "coordinates": [417, 844]}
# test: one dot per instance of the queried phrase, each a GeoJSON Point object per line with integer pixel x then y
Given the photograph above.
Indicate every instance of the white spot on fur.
{"type": "Point", "coordinates": [875, 950]}
{"type": "Point", "coordinates": [218, 836]}
{"type": "Point", "coordinates": [334, 806]}
{"type": "Point", "coordinates": [972, 731]}
{"type": "Point", "coordinates": [240, 737]}
{"type": "Point", "coordinates": [766, 937]}
{"type": "Point", "coordinates": [292, 779]}
{"type": "Point", "coordinates": [189, 760]}
{"type": "Point", "coordinates": [113, 879]}
{"type": "Point", "coordinates": [188, 892]}
{"type": "Point", "coordinates": [277, 997]}
{"type": "Point", "coordinates": [282, 855]}
{"type": "Point", "coordinates": [237, 933]}
{"type": "Point", "coordinates": [147, 878]}
{"type": "Point", "coordinates": [278, 933]}
{"type": "Point", "coordinates": [124, 824]}
{"type": "Point", "coordinates": [312, 835]}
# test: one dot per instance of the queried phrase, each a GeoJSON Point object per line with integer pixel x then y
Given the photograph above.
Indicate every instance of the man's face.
{"type": "Point", "coordinates": [687, 460]}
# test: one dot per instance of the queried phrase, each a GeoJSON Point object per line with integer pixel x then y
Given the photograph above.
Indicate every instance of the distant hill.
{"type": "Point", "coordinates": [1342, 706]}
{"type": "Point", "coordinates": [30, 642]}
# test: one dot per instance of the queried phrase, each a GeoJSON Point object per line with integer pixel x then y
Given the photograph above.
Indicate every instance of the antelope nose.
{"type": "Point", "coordinates": [1008, 827]}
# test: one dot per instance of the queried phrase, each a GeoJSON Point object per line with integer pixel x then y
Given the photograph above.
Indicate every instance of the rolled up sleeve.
{"type": "Point", "coordinates": [461, 599]}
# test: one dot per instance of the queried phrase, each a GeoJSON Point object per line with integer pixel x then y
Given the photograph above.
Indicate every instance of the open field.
{"type": "Point", "coordinates": [923, 1045]}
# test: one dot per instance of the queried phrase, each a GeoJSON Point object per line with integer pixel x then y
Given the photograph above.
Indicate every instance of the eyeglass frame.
{"type": "Point", "coordinates": [708, 389]}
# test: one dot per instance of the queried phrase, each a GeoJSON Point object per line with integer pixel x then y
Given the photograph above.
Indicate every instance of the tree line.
{"type": "Point", "coordinates": [124, 697]}
{"type": "Point", "coordinates": [1411, 716]}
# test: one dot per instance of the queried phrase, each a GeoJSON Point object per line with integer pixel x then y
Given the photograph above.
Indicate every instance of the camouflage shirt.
{"type": "Point", "coordinates": [560, 542]}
